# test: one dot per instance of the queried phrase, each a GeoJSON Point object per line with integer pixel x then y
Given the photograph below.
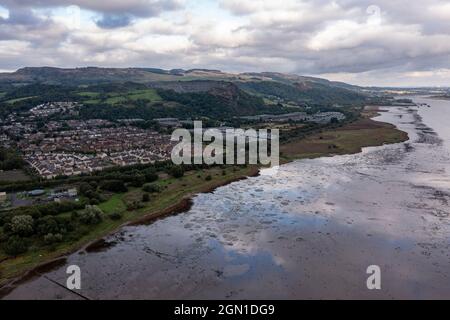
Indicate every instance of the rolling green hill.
{"type": "Point", "coordinates": [148, 93]}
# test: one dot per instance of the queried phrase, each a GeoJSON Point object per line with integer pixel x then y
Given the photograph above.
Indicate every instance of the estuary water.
{"type": "Point", "coordinates": [310, 231]}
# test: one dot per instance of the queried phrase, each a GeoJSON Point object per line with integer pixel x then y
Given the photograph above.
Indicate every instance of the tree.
{"type": "Point", "coordinates": [151, 188]}
{"type": "Point", "coordinates": [150, 176]}
{"type": "Point", "coordinates": [138, 180]}
{"type": "Point", "coordinates": [15, 246]}
{"type": "Point", "coordinates": [176, 171]}
{"type": "Point", "coordinates": [113, 186]}
{"type": "Point", "coordinates": [134, 205]}
{"type": "Point", "coordinates": [85, 188]}
{"type": "Point", "coordinates": [51, 238]}
{"type": "Point", "coordinates": [22, 225]}
{"type": "Point", "coordinates": [91, 215]}
{"type": "Point", "coordinates": [10, 159]}
{"type": "Point", "coordinates": [47, 225]}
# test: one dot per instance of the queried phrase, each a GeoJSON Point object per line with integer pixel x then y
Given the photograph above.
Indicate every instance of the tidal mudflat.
{"type": "Point", "coordinates": [310, 231]}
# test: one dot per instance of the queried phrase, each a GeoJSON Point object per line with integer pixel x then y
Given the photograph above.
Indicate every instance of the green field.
{"type": "Point", "coordinates": [19, 99]}
{"type": "Point", "coordinates": [114, 204]}
{"type": "Point", "coordinates": [348, 139]}
{"type": "Point", "coordinates": [88, 94]}
{"type": "Point", "coordinates": [13, 176]}
{"type": "Point", "coordinates": [115, 98]}
{"type": "Point", "coordinates": [149, 94]}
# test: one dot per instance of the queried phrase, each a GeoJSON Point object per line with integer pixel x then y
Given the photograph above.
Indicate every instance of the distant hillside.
{"type": "Point", "coordinates": [217, 99]}
{"type": "Point", "coordinates": [89, 75]}
{"type": "Point", "coordinates": [152, 92]}
{"type": "Point", "coordinates": [305, 92]}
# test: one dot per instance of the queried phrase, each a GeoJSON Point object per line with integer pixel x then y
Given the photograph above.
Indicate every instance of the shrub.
{"type": "Point", "coordinates": [151, 188]}
{"type": "Point", "coordinates": [91, 215]}
{"type": "Point", "coordinates": [134, 205]}
{"type": "Point", "coordinates": [61, 207]}
{"type": "Point", "coordinates": [151, 177]}
{"type": "Point", "coordinates": [138, 181]}
{"type": "Point", "coordinates": [85, 188]}
{"type": "Point", "coordinates": [5, 218]}
{"type": "Point", "coordinates": [22, 225]}
{"type": "Point", "coordinates": [15, 246]}
{"type": "Point", "coordinates": [94, 201]}
{"type": "Point", "coordinates": [115, 215]}
{"type": "Point", "coordinates": [208, 178]}
{"type": "Point", "coordinates": [93, 195]}
{"type": "Point", "coordinates": [176, 171]}
{"type": "Point", "coordinates": [65, 224]}
{"type": "Point", "coordinates": [51, 238]}
{"type": "Point", "coordinates": [113, 186]}
{"type": "Point", "coordinates": [7, 228]}
{"type": "Point", "coordinates": [47, 225]}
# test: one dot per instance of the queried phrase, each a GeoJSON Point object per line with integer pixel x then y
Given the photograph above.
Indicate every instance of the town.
{"type": "Point", "coordinates": [84, 150]}
{"type": "Point", "coordinates": [72, 147]}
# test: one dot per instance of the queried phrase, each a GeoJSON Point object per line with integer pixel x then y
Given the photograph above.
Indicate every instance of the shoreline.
{"type": "Point", "coordinates": [184, 204]}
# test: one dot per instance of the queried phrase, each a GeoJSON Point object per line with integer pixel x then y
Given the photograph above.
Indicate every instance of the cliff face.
{"type": "Point", "coordinates": [217, 98]}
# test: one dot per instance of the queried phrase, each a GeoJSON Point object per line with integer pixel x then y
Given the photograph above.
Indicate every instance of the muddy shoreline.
{"type": "Point", "coordinates": [33, 273]}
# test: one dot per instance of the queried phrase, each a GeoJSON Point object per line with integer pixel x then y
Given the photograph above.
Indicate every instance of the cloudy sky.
{"type": "Point", "coordinates": [375, 42]}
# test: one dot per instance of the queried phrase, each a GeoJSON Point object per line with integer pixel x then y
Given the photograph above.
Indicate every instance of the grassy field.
{"type": "Point", "coordinates": [19, 99]}
{"type": "Point", "coordinates": [88, 94]}
{"type": "Point", "coordinates": [114, 98]}
{"type": "Point", "coordinates": [114, 204]}
{"type": "Point", "coordinates": [13, 175]}
{"type": "Point", "coordinates": [148, 94]}
{"type": "Point", "coordinates": [345, 140]}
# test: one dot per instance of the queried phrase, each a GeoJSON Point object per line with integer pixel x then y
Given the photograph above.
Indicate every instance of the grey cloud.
{"type": "Point", "coordinates": [136, 7]}
{"type": "Point", "coordinates": [113, 12]}
{"type": "Point", "coordinates": [111, 21]}
{"type": "Point", "coordinates": [19, 15]}
{"type": "Point", "coordinates": [410, 41]}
